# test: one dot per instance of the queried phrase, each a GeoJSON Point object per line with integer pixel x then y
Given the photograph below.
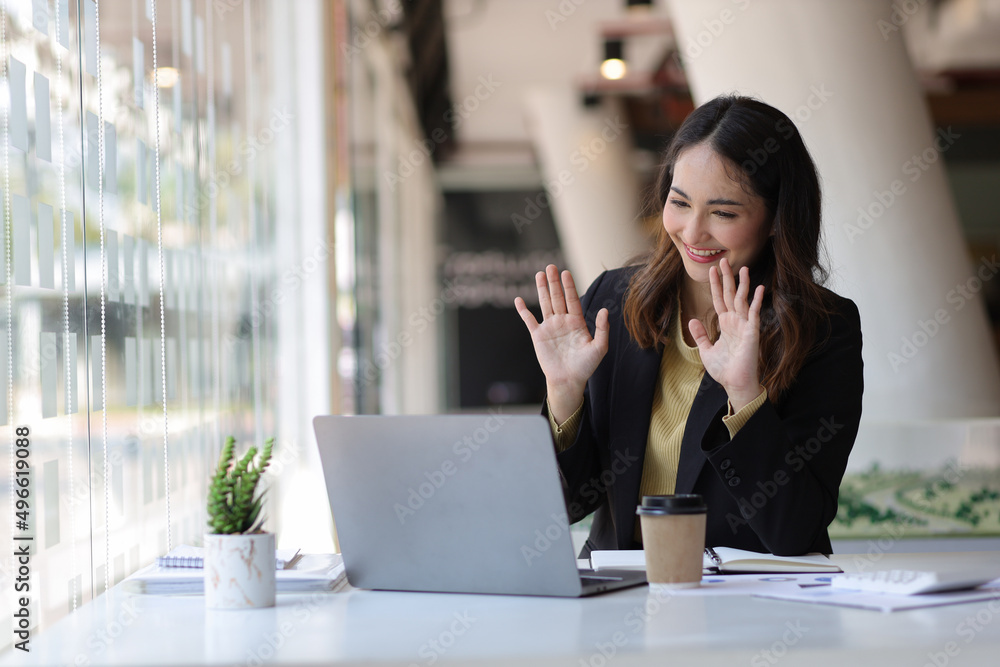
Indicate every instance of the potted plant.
{"type": "Point", "coordinates": [239, 556]}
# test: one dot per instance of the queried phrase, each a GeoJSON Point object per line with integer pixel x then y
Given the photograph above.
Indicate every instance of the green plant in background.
{"type": "Point", "coordinates": [234, 507]}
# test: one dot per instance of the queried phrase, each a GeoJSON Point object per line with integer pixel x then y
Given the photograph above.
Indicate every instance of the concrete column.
{"type": "Point", "coordinates": [592, 186]}
{"type": "Point", "coordinates": [890, 227]}
{"type": "Point", "coordinates": [406, 349]}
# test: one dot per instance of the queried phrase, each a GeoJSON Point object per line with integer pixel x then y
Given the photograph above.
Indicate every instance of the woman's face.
{"type": "Point", "coordinates": [709, 216]}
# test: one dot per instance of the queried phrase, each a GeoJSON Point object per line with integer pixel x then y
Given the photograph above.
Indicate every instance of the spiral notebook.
{"type": "Point", "coordinates": [189, 556]}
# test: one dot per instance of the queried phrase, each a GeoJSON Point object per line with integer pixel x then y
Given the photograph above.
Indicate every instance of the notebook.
{"type": "Point", "coordinates": [453, 503]}
{"type": "Point", "coordinates": [722, 560]}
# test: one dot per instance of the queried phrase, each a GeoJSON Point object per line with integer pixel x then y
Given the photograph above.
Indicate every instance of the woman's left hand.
{"type": "Point", "coordinates": [732, 359]}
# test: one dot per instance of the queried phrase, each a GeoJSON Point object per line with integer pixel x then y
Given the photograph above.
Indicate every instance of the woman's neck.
{"type": "Point", "coordinates": [696, 302]}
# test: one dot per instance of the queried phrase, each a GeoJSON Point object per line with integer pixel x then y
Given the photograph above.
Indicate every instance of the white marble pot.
{"type": "Point", "coordinates": [239, 571]}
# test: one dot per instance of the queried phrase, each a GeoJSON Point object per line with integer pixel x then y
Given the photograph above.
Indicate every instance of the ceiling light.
{"type": "Point", "coordinates": [613, 66]}
{"type": "Point", "coordinates": [167, 77]}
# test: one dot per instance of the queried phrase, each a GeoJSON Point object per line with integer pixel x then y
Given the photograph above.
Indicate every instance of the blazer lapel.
{"type": "Point", "coordinates": [708, 402]}
{"type": "Point", "coordinates": [638, 370]}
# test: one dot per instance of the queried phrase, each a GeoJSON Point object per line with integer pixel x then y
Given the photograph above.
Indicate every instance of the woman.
{"type": "Point", "coordinates": [718, 365]}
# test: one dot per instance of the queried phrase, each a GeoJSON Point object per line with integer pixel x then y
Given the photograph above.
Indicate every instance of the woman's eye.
{"type": "Point", "coordinates": [678, 203]}
{"type": "Point", "coordinates": [725, 214]}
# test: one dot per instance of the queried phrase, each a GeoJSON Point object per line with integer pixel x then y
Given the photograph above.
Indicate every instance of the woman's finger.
{"type": "Point", "coordinates": [716, 285]}
{"type": "Point", "coordinates": [700, 336]}
{"type": "Point", "coordinates": [573, 306]}
{"type": "Point", "coordinates": [742, 292]}
{"type": "Point", "coordinates": [542, 285]}
{"type": "Point", "coordinates": [526, 315]}
{"type": "Point", "coordinates": [753, 316]}
{"type": "Point", "coordinates": [728, 284]}
{"type": "Point", "coordinates": [602, 327]}
{"type": "Point", "coordinates": [555, 290]}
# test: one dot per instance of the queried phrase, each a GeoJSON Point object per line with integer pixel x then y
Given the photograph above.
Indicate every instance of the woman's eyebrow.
{"type": "Point", "coordinates": [711, 202]}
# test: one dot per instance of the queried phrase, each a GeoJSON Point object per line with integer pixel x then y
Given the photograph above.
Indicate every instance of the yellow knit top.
{"type": "Point", "coordinates": [681, 373]}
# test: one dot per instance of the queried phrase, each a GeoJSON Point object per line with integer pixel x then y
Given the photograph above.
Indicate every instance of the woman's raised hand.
{"type": "Point", "coordinates": [567, 353]}
{"type": "Point", "coordinates": [733, 359]}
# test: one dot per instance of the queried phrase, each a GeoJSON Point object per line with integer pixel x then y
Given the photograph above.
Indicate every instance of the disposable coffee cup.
{"type": "Point", "coordinates": [673, 538]}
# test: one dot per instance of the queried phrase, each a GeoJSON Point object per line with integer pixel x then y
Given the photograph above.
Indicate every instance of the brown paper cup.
{"type": "Point", "coordinates": [673, 538]}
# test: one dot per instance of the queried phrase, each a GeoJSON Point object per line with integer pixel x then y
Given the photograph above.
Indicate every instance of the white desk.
{"type": "Point", "coordinates": [399, 628]}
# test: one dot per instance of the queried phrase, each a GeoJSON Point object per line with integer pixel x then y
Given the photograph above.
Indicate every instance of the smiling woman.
{"type": "Point", "coordinates": [767, 360]}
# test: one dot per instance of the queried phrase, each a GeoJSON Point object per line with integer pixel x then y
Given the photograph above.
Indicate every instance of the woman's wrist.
{"type": "Point", "coordinates": [563, 400]}
{"type": "Point", "coordinates": [741, 398]}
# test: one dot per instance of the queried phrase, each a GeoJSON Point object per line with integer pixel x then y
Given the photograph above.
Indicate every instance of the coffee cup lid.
{"type": "Point", "coordinates": [685, 503]}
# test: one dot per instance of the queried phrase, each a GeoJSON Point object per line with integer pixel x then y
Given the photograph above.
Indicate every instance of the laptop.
{"type": "Point", "coordinates": [453, 504]}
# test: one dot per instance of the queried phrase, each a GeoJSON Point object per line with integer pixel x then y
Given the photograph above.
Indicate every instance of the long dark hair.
{"type": "Point", "coordinates": [767, 156]}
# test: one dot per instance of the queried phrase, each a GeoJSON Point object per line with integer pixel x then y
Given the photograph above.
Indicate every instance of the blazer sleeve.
{"type": "Point", "coordinates": [580, 462]}
{"type": "Point", "coordinates": [784, 467]}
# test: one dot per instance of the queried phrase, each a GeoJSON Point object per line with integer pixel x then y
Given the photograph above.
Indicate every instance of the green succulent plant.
{"type": "Point", "coordinates": [234, 507]}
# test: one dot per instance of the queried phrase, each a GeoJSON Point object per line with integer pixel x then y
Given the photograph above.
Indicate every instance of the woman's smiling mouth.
{"type": "Point", "coordinates": [703, 255]}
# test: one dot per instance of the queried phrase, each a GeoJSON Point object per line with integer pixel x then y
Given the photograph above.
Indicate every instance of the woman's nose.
{"type": "Point", "coordinates": [695, 229]}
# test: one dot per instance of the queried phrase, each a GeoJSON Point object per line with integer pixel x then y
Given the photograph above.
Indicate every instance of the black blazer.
{"type": "Point", "coordinates": [771, 488]}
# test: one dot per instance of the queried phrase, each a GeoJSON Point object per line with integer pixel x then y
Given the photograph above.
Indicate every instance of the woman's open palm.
{"type": "Point", "coordinates": [567, 353]}
{"type": "Point", "coordinates": [732, 360]}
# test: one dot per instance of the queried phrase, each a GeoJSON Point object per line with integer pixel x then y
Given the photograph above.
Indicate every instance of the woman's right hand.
{"type": "Point", "coordinates": [567, 353]}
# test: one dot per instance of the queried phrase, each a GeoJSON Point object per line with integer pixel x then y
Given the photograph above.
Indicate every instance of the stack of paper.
{"type": "Point", "coordinates": [186, 555]}
{"type": "Point", "coordinates": [884, 602]}
{"type": "Point", "coordinates": [318, 572]}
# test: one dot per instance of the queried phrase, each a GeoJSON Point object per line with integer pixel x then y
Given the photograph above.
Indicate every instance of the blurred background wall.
{"type": "Point", "coordinates": [275, 210]}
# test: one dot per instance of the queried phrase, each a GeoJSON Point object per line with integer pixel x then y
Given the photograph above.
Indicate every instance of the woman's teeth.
{"type": "Point", "coordinates": [703, 253]}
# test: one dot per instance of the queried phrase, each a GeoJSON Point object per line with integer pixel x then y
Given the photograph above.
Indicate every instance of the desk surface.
{"type": "Point", "coordinates": [636, 626]}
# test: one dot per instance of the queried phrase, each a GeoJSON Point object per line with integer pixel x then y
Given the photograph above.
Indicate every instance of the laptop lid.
{"type": "Point", "coordinates": [448, 503]}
